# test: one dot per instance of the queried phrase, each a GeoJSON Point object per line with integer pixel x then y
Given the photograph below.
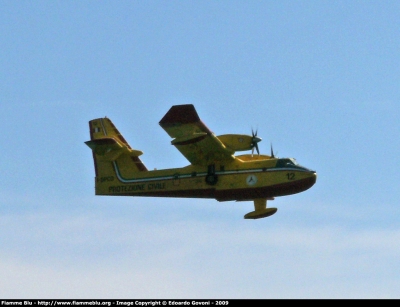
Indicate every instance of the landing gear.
{"type": "Point", "coordinates": [211, 177]}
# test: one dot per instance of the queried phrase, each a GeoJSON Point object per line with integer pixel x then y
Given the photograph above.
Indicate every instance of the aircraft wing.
{"type": "Point", "coordinates": [192, 137]}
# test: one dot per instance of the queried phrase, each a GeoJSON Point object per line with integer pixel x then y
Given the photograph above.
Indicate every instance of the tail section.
{"type": "Point", "coordinates": [110, 152]}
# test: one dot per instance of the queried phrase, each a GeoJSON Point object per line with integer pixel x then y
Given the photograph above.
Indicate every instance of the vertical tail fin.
{"type": "Point", "coordinates": [109, 149]}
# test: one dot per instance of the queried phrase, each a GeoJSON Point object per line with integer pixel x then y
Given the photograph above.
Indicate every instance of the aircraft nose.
{"type": "Point", "coordinates": [314, 173]}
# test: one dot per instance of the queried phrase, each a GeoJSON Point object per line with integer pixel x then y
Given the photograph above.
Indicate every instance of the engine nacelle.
{"type": "Point", "coordinates": [237, 142]}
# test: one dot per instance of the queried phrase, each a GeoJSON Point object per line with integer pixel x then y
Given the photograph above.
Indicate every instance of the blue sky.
{"type": "Point", "coordinates": [318, 79]}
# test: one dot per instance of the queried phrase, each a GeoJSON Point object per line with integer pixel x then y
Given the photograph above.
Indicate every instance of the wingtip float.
{"type": "Point", "coordinates": [214, 170]}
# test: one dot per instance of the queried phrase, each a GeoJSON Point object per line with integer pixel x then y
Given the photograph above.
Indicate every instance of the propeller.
{"type": "Point", "coordinates": [254, 142]}
{"type": "Point", "coordinates": [272, 152]}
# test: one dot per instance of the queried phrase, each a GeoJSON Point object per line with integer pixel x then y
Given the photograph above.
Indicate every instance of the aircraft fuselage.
{"type": "Point", "coordinates": [248, 177]}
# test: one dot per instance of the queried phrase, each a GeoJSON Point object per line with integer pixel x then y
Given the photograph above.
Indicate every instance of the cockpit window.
{"type": "Point", "coordinates": [287, 162]}
{"type": "Point", "coordinates": [290, 162]}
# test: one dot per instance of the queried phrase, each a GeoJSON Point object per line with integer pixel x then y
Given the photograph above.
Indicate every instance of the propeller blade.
{"type": "Point", "coordinates": [272, 152]}
{"type": "Point", "coordinates": [254, 142]}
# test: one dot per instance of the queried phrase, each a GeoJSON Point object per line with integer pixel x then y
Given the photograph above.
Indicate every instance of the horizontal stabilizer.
{"type": "Point", "coordinates": [110, 149]}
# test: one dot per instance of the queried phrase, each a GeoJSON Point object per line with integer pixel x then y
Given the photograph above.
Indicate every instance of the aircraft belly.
{"type": "Point", "coordinates": [265, 185]}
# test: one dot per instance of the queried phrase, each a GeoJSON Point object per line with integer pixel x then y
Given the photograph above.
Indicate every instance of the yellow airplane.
{"type": "Point", "coordinates": [214, 171]}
